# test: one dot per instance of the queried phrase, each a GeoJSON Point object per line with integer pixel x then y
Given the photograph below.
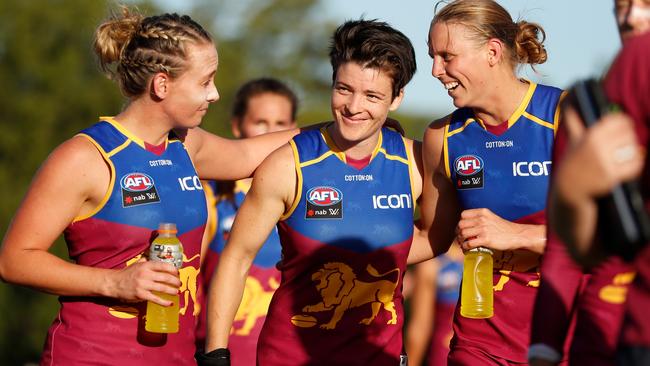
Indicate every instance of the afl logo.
{"type": "Point", "coordinates": [324, 196]}
{"type": "Point", "coordinates": [136, 182]}
{"type": "Point", "coordinates": [468, 165]}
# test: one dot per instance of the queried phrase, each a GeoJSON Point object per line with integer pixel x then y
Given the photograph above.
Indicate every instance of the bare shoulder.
{"type": "Point", "coordinates": [436, 129]}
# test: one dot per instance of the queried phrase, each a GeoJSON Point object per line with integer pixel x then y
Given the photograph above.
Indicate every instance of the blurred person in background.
{"type": "Point", "coordinates": [596, 160]}
{"type": "Point", "coordinates": [587, 309]}
{"type": "Point", "coordinates": [433, 297]}
{"type": "Point", "coordinates": [108, 188]}
{"type": "Point", "coordinates": [261, 106]}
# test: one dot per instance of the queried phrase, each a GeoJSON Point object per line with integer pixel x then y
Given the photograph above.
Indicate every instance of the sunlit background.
{"type": "Point", "coordinates": [50, 86]}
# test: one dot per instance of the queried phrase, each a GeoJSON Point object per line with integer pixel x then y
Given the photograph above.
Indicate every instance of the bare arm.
{"type": "Point", "coordinates": [219, 158]}
{"type": "Point", "coordinates": [271, 194]}
{"type": "Point", "coordinates": [439, 204]}
{"type": "Point", "coordinates": [71, 182]}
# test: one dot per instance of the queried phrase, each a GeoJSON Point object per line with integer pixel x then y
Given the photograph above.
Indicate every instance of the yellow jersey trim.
{"type": "Point", "coordinates": [556, 116]}
{"type": "Point", "coordinates": [297, 164]}
{"type": "Point", "coordinates": [461, 129]}
{"type": "Point", "coordinates": [124, 131]}
{"type": "Point", "coordinates": [111, 183]}
{"type": "Point", "coordinates": [538, 120]}
{"type": "Point", "coordinates": [445, 150]}
{"type": "Point", "coordinates": [410, 166]}
{"type": "Point", "coordinates": [524, 103]}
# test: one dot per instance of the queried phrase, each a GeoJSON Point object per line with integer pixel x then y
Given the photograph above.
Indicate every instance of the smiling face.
{"type": "Point", "coordinates": [266, 112]}
{"type": "Point", "coordinates": [459, 62]}
{"type": "Point", "coordinates": [361, 100]}
{"type": "Point", "coordinates": [189, 95]}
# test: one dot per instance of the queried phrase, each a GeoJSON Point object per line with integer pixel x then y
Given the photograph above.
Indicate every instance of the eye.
{"type": "Point", "coordinates": [342, 89]}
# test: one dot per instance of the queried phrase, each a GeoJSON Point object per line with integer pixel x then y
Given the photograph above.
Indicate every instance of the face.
{"type": "Point", "coordinates": [632, 16]}
{"type": "Point", "coordinates": [361, 100]}
{"type": "Point", "coordinates": [459, 63]}
{"type": "Point", "coordinates": [265, 113]}
{"type": "Point", "coordinates": [188, 96]}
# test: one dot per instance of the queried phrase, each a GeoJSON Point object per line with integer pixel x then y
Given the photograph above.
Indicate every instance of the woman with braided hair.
{"type": "Point", "coordinates": [109, 187]}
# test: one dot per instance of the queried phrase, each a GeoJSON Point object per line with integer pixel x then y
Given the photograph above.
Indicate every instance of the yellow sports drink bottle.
{"type": "Point", "coordinates": [165, 248]}
{"type": "Point", "coordinates": [476, 298]}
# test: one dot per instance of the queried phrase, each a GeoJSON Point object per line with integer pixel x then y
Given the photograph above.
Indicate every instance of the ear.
{"type": "Point", "coordinates": [234, 127]}
{"type": "Point", "coordinates": [495, 51]}
{"type": "Point", "coordinates": [160, 85]}
{"type": "Point", "coordinates": [397, 100]}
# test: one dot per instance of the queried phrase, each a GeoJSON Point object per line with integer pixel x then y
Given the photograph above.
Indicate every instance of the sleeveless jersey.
{"type": "Point", "coordinates": [145, 189]}
{"type": "Point", "coordinates": [509, 175]}
{"type": "Point", "coordinates": [263, 278]}
{"type": "Point", "coordinates": [345, 241]}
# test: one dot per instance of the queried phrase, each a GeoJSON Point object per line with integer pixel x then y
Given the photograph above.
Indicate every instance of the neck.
{"type": "Point", "coordinates": [503, 100]}
{"type": "Point", "coordinates": [354, 149]}
{"type": "Point", "coordinates": [143, 118]}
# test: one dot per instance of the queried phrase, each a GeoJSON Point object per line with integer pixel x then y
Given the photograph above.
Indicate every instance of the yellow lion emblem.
{"type": "Point", "coordinates": [254, 305]}
{"type": "Point", "coordinates": [341, 290]}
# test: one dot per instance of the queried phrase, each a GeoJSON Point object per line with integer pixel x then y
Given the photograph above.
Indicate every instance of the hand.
{"type": "Point", "coordinates": [601, 157]}
{"type": "Point", "coordinates": [138, 281]}
{"type": "Point", "coordinates": [480, 227]}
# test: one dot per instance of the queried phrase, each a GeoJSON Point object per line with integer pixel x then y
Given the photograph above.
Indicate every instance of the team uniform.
{"type": "Point", "coordinates": [507, 173]}
{"type": "Point", "coordinates": [345, 241]}
{"type": "Point", "coordinates": [263, 278]}
{"type": "Point", "coordinates": [448, 280]}
{"type": "Point", "coordinates": [145, 190]}
{"type": "Point", "coordinates": [627, 84]}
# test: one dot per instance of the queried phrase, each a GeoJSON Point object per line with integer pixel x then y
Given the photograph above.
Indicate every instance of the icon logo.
{"type": "Point", "coordinates": [324, 203]}
{"type": "Point", "coordinates": [469, 172]}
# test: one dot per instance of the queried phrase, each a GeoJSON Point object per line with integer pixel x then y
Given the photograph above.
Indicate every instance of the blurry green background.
{"type": "Point", "coordinates": [51, 87]}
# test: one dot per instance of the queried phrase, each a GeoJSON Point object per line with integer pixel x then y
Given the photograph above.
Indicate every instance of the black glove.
{"type": "Point", "coordinates": [218, 357]}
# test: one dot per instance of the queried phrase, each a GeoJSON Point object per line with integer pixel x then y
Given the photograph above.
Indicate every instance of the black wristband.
{"type": "Point", "coordinates": [218, 357]}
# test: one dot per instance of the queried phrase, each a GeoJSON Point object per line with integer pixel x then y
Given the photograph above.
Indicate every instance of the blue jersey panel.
{"type": "Point", "coordinates": [361, 210]}
{"type": "Point", "coordinates": [508, 173]}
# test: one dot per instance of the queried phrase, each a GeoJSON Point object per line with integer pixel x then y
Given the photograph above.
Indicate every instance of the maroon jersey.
{"type": "Point", "coordinates": [145, 190]}
{"type": "Point", "coordinates": [628, 85]}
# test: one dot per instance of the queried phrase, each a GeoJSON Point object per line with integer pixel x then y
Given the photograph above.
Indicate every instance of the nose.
{"type": "Point", "coordinates": [353, 106]}
{"type": "Point", "coordinates": [213, 94]}
{"type": "Point", "coordinates": [438, 67]}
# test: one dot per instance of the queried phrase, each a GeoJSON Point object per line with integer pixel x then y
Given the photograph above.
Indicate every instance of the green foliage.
{"type": "Point", "coordinates": [52, 88]}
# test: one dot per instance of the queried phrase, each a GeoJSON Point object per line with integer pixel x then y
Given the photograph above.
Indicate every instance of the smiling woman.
{"type": "Point", "coordinates": [108, 188]}
{"type": "Point", "coordinates": [486, 166]}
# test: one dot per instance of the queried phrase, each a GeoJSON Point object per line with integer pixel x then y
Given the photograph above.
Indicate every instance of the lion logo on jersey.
{"type": "Point", "coordinates": [341, 290]}
{"type": "Point", "coordinates": [254, 304]}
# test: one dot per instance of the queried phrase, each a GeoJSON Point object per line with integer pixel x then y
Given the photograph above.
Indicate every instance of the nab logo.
{"type": "Point", "coordinates": [136, 182]}
{"type": "Point", "coordinates": [468, 165]}
{"type": "Point", "coordinates": [324, 196]}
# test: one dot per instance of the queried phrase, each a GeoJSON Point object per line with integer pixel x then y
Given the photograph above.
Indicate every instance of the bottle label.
{"type": "Point", "coordinates": [167, 253]}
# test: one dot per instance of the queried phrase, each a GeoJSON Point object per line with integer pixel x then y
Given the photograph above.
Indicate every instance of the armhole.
{"type": "Point", "coordinates": [409, 158]}
{"type": "Point", "coordinates": [111, 183]}
{"type": "Point", "coordinates": [296, 199]}
{"type": "Point", "coordinates": [556, 116]}
{"type": "Point", "coordinates": [445, 150]}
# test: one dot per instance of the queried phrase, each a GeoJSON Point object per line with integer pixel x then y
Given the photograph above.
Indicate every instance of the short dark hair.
{"type": "Point", "coordinates": [374, 44]}
{"type": "Point", "coordinates": [259, 86]}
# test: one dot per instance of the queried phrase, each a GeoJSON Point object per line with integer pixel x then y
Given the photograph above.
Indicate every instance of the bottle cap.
{"type": "Point", "coordinates": [167, 228]}
{"type": "Point", "coordinates": [482, 250]}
